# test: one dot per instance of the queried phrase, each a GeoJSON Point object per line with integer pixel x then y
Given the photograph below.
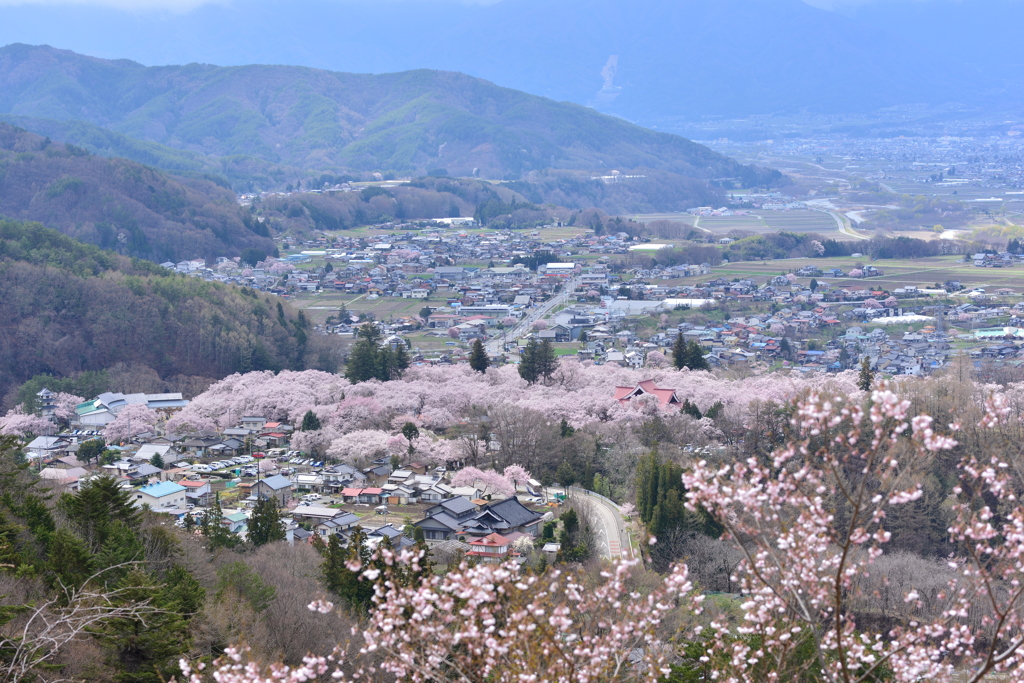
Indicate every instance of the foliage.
{"type": "Point", "coordinates": [101, 309]}
{"type": "Point", "coordinates": [478, 359]}
{"type": "Point", "coordinates": [265, 522]}
{"type": "Point", "coordinates": [118, 204]}
{"type": "Point", "coordinates": [370, 359]}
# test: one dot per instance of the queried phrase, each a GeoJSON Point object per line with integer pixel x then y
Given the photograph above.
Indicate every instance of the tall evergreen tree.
{"type": "Point", "coordinates": [310, 422]}
{"type": "Point", "coordinates": [342, 581]}
{"type": "Point", "coordinates": [265, 522]}
{"type": "Point", "coordinates": [679, 352]}
{"type": "Point", "coordinates": [546, 362]}
{"type": "Point", "coordinates": [528, 362]}
{"type": "Point", "coordinates": [96, 507]}
{"type": "Point", "coordinates": [867, 377]}
{"type": "Point", "coordinates": [217, 535]}
{"type": "Point", "coordinates": [478, 359]}
{"type": "Point", "coordinates": [695, 359]}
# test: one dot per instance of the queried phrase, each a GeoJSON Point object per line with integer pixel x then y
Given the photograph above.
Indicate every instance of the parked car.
{"type": "Point", "coordinates": [312, 496]}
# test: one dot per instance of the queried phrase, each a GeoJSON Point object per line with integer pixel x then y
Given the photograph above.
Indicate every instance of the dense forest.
{"type": "Point", "coordinates": [70, 308]}
{"type": "Point", "coordinates": [118, 204]}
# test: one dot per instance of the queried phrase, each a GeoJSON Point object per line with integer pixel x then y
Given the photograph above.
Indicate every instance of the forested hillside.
{"type": "Point", "coordinates": [413, 121]}
{"type": "Point", "coordinates": [70, 308]}
{"type": "Point", "coordinates": [119, 204]}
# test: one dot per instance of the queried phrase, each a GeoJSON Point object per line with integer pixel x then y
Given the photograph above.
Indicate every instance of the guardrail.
{"type": "Point", "coordinates": [594, 494]}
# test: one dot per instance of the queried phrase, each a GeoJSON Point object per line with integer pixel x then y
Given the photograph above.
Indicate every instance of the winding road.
{"type": "Point", "coordinates": [613, 539]}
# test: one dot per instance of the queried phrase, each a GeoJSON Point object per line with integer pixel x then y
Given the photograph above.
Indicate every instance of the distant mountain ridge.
{"type": "Point", "coordinates": [648, 60]}
{"type": "Point", "coordinates": [410, 122]}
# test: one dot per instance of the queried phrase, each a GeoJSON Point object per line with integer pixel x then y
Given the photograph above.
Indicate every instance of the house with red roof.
{"type": "Point", "coordinates": [665, 396]}
{"type": "Point", "coordinates": [492, 548]}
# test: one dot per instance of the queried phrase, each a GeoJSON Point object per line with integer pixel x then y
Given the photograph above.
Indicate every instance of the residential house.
{"type": "Point", "coordinates": [277, 486]}
{"type": "Point", "coordinates": [161, 496]}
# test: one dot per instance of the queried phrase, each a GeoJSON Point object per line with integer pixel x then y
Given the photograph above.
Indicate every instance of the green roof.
{"type": "Point", "coordinates": [88, 406]}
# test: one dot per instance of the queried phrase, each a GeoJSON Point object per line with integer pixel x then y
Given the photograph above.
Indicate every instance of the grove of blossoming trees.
{"type": "Point", "coordinates": [813, 527]}
{"type": "Point", "coordinates": [133, 420]}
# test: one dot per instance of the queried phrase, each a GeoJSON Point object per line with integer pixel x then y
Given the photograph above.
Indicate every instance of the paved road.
{"type": "Point", "coordinates": [612, 539]}
{"type": "Point", "coordinates": [495, 345]}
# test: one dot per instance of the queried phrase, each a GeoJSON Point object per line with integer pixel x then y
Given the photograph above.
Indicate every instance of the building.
{"type": "Point", "coordinates": [491, 549]}
{"type": "Point", "coordinates": [664, 396]}
{"type": "Point", "coordinates": [163, 495]}
{"type": "Point", "coordinates": [277, 486]}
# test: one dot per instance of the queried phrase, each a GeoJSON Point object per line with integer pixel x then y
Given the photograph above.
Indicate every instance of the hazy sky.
{"type": "Point", "coordinates": [186, 5]}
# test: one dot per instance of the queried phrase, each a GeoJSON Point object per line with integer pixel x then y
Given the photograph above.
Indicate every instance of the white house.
{"type": "Point", "coordinates": [163, 495]}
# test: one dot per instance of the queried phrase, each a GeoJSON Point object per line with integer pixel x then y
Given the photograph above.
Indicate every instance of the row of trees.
{"type": "Point", "coordinates": [370, 359]}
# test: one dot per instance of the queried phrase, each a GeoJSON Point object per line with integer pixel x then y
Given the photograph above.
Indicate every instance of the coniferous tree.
{"type": "Point", "coordinates": [265, 522]}
{"type": "Point", "coordinates": [545, 361]}
{"type": "Point", "coordinates": [478, 359]}
{"type": "Point", "coordinates": [411, 432]}
{"type": "Point", "coordinates": [867, 377]}
{"type": "Point", "coordinates": [695, 359]}
{"type": "Point", "coordinates": [342, 581]}
{"type": "Point", "coordinates": [679, 352]}
{"type": "Point", "coordinates": [157, 461]}
{"type": "Point", "coordinates": [528, 362]}
{"type": "Point", "coordinates": [217, 535]}
{"type": "Point", "coordinates": [401, 361]}
{"type": "Point", "coordinates": [96, 507]}
{"type": "Point", "coordinates": [691, 409]}
{"type": "Point", "coordinates": [310, 422]}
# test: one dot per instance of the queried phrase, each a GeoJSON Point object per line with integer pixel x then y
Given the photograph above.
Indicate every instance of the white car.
{"type": "Point", "coordinates": [201, 468]}
{"type": "Point", "coordinates": [312, 496]}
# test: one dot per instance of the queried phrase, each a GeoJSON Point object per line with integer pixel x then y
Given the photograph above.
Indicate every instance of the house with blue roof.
{"type": "Point", "coordinates": [161, 496]}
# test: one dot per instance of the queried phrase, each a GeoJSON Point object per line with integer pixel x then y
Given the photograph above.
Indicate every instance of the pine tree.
{"type": "Point", "coordinates": [363, 360]}
{"type": "Point", "coordinates": [310, 422]}
{"type": "Point", "coordinates": [401, 361]}
{"type": "Point", "coordinates": [691, 409]}
{"type": "Point", "coordinates": [265, 522]}
{"type": "Point", "coordinates": [867, 377]}
{"type": "Point", "coordinates": [478, 359]}
{"type": "Point", "coordinates": [157, 461]}
{"type": "Point", "coordinates": [217, 535]}
{"type": "Point", "coordinates": [545, 361]}
{"type": "Point", "coordinates": [679, 353]}
{"type": "Point", "coordinates": [98, 505]}
{"type": "Point", "coordinates": [695, 359]}
{"type": "Point", "coordinates": [814, 284]}
{"type": "Point", "coordinates": [583, 339]}
{"type": "Point", "coordinates": [342, 581]}
{"type": "Point", "coordinates": [528, 362]}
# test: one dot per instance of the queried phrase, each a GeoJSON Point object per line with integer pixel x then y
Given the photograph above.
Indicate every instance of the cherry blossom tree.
{"type": "Point", "coordinates": [364, 444]}
{"type": "Point", "coordinates": [517, 474]}
{"type": "Point", "coordinates": [891, 302]}
{"type": "Point", "coordinates": [65, 404]}
{"type": "Point", "coordinates": [656, 359]}
{"type": "Point", "coordinates": [856, 272]}
{"type": "Point", "coordinates": [488, 623]}
{"type": "Point", "coordinates": [488, 481]}
{"type": "Point", "coordinates": [19, 423]}
{"type": "Point", "coordinates": [777, 330]}
{"type": "Point", "coordinates": [813, 525]}
{"type": "Point", "coordinates": [454, 332]}
{"type": "Point", "coordinates": [791, 277]}
{"type": "Point", "coordinates": [818, 247]}
{"type": "Point", "coordinates": [133, 420]}
{"type": "Point", "coordinates": [872, 304]}
{"type": "Point", "coordinates": [540, 325]}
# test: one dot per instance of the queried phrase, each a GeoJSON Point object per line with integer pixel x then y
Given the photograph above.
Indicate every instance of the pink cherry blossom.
{"type": "Point", "coordinates": [131, 421]}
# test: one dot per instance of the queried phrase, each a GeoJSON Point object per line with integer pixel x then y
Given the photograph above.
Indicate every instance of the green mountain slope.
{"type": "Point", "coordinates": [69, 308]}
{"type": "Point", "coordinates": [120, 204]}
{"type": "Point", "coordinates": [406, 122]}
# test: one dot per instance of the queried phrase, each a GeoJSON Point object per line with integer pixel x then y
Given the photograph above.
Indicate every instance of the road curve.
{"type": "Point", "coordinates": [612, 538]}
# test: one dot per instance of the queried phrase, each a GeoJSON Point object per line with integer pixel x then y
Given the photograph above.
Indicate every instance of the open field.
{"type": "Point", "coordinates": [898, 272]}
{"type": "Point", "coordinates": [544, 234]}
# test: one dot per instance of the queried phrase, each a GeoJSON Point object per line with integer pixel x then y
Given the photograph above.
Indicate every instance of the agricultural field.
{"type": "Point", "coordinates": [925, 272]}
{"type": "Point", "coordinates": [772, 221]}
